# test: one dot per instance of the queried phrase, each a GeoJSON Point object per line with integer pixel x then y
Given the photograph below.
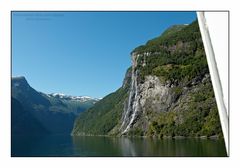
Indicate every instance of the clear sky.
{"type": "Point", "coordinates": [82, 53]}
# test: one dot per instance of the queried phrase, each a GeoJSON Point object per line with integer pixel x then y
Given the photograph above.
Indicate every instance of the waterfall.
{"type": "Point", "coordinates": [133, 109]}
{"type": "Point", "coordinates": [131, 95]}
{"type": "Point", "coordinates": [133, 101]}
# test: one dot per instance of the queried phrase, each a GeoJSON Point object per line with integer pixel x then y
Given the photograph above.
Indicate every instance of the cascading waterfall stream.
{"type": "Point", "coordinates": [134, 109]}
{"type": "Point", "coordinates": [132, 101]}
{"type": "Point", "coordinates": [131, 95]}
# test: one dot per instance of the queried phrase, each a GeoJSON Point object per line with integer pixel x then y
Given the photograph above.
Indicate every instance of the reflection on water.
{"type": "Point", "coordinates": [106, 146]}
{"type": "Point", "coordinates": [65, 145]}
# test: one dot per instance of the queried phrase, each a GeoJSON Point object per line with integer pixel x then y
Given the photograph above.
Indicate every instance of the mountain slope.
{"type": "Point", "coordinates": [23, 122]}
{"type": "Point", "coordinates": [28, 97]}
{"type": "Point", "coordinates": [169, 94]}
{"type": "Point", "coordinates": [105, 114]}
{"type": "Point", "coordinates": [54, 113]}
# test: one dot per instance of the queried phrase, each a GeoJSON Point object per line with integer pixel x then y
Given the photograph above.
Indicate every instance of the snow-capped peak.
{"type": "Point", "coordinates": [58, 94]}
{"type": "Point", "coordinates": [69, 97]}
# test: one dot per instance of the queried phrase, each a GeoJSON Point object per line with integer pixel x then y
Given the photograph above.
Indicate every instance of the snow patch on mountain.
{"type": "Point", "coordinates": [69, 97]}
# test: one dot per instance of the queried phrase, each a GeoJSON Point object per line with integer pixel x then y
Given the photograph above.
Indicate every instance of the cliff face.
{"type": "Point", "coordinates": [142, 97]}
{"type": "Point", "coordinates": [168, 91]}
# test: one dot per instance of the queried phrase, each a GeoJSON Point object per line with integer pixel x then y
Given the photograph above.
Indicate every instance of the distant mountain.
{"type": "Point", "coordinates": [72, 98]}
{"type": "Point", "coordinates": [69, 104]}
{"type": "Point", "coordinates": [167, 92]}
{"type": "Point", "coordinates": [55, 112]}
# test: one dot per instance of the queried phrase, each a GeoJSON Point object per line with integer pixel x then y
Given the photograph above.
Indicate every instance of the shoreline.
{"type": "Point", "coordinates": [213, 137]}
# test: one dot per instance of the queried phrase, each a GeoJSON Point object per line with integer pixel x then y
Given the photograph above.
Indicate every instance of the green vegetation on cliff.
{"type": "Point", "coordinates": [175, 56]}
{"type": "Point", "coordinates": [171, 37]}
{"type": "Point", "coordinates": [198, 116]}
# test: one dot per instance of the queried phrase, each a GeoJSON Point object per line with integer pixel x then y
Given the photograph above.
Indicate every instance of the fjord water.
{"type": "Point", "coordinates": [65, 145]}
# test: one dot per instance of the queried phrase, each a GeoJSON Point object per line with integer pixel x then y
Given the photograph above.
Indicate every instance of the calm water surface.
{"type": "Point", "coordinates": [65, 145]}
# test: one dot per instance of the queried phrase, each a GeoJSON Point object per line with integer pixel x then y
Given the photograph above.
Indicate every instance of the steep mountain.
{"type": "Point", "coordinates": [27, 96]}
{"type": "Point", "coordinates": [23, 122]}
{"type": "Point", "coordinates": [55, 113]}
{"type": "Point", "coordinates": [167, 92]}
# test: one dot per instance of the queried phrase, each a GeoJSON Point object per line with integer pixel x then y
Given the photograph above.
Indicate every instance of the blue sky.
{"type": "Point", "coordinates": [82, 53]}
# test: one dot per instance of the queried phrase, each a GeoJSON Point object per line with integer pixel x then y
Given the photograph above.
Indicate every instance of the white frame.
{"type": "Point", "coordinates": [214, 76]}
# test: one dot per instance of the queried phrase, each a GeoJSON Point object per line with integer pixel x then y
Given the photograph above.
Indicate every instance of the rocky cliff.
{"type": "Point", "coordinates": [166, 93]}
